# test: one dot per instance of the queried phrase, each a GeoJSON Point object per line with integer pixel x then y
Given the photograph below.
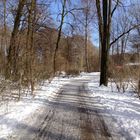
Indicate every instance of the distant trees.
{"type": "Point", "coordinates": [120, 24]}
{"type": "Point", "coordinates": [36, 45]}
{"type": "Point", "coordinates": [33, 49]}
{"type": "Point", "coordinates": [135, 37]}
{"type": "Point", "coordinates": [135, 40]}
{"type": "Point", "coordinates": [106, 14]}
{"type": "Point", "coordinates": [86, 17]}
{"type": "Point", "coordinates": [62, 14]}
{"type": "Point", "coordinates": [4, 38]}
{"type": "Point", "coordinates": [30, 68]}
{"type": "Point", "coordinates": [37, 42]}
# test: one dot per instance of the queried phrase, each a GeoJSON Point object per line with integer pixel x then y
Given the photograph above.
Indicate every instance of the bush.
{"type": "Point", "coordinates": [73, 72]}
{"type": "Point", "coordinates": [124, 77]}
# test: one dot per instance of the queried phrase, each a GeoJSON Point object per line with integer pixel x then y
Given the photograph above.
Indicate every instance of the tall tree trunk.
{"type": "Point", "coordinates": [12, 54]}
{"type": "Point", "coordinates": [4, 37]}
{"type": "Point", "coordinates": [86, 41]}
{"type": "Point", "coordinates": [104, 23]}
{"type": "Point", "coordinates": [59, 36]}
{"type": "Point", "coordinates": [122, 51]}
{"type": "Point", "coordinates": [100, 24]}
{"type": "Point", "coordinates": [104, 54]}
{"type": "Point", "coordinates": [30, 44]}
{"type": "Point", "coordinates": [5, 31]}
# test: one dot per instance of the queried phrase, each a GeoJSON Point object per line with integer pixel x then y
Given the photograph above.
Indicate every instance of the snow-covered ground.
{"type": "Point", "coordinates": [121, 112]}
{"type": "Point", "coordinates": [13, 113]}
{"type": "Point", "coordinates": [124, 109]}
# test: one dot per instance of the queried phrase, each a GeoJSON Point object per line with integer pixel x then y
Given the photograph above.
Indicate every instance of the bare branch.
{"type": "Point", "coordinates": [116, 5]}
{"type": "Point", "coordinates": [124, 33]}
{"type": "Point", "coordinates": [71, 10]}
{"type": "Point", "coordinates": [100, 21]}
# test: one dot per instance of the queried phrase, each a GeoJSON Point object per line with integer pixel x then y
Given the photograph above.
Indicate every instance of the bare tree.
{"type": "Point", "coordinates": [64, 12]}
{"type": "Point", "coordinates": [4, 35]}
{"type": "Point", "coordinates": [30, 43]}
{"type": "Point", "coordinates": [104, 21]}
{"type": "Point", "coordinates": [59, 34]}
{"type": "Point", "coordinates": [86, 20]}
{"type": "Point", "coordinates": [12, 52]}
{"type": "Point", "coordinates": [105, 15]}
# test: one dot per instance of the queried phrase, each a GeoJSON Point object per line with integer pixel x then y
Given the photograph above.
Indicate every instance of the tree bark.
{"type": "Point", "coordinates": [86, 40]}
{"type": "Point", "coordinates": [5, 31]}
{"type": "Point", "coordinates": [86, 49]}
{"type": "Point", "coordinates": [59, 36]}
{"type": "Point", "coordinates": [104, 54]}
{"type": "Point", "coordinates": [4, 37]}
{"type": "Point", "coordinates": [104, 23]}
{"type": "Point", "coordinates": [12, 54]}
{"type": "Point", "coordinates": [30, 44]}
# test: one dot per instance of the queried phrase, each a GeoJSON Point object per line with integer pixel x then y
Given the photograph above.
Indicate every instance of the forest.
{"type": "Point", "coordinates": [39, 39]}
{"type": "Point", "coordinates": [69, 69]}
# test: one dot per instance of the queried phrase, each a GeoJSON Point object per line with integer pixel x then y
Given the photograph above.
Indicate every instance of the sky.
{"type": "Point", "coordinates": [56, 8]}
{"type": "Point", "coordinates": [94, 36]}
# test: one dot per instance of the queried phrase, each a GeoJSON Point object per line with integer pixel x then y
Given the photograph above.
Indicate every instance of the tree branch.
{"type": "Point", "coordinates": [100, 21]}
{"type": "Point", "coordinates": [117, 3]}
{"type": "Point", "coordinates": [124, 33]}
{"type": "Point", "coordinates": [71, 10]}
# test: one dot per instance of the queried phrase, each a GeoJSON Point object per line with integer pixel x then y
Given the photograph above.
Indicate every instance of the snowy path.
{"type": "Point", "coordinates": [80, 110]}
{"type": "Point", "coordinates": [71, 115]}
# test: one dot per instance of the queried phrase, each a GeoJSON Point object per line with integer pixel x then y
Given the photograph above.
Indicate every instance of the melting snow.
{"type": "Point", "coordinates": [13, 114]}
{"type": "Point", "coordinates": [124, 110]}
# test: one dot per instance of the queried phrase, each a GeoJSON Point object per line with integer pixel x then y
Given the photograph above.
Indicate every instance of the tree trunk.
{"type": "Point", "coordinates": [104, 23]}
{"type": "Point", "coordinates": [4, 38]}
{"type": "Point", "coordinates": [104, 54]}
{"type": "Point", "coordinates": [30, 45]}
{"type": "Point", "coordinates": [12, 54]}
{"type": "Point", "coordinates": [5, 32]}
{"type": "Point", "coordinates": [86, 41]}
{"type": "Point", "coordinates": [59, 36]}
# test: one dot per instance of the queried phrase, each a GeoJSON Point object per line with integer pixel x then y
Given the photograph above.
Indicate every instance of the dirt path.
{"type": "Point", "coordinates": [73, 116]}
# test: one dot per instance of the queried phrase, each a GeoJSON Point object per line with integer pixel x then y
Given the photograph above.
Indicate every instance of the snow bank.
{"type": "Point", "coordinates": [124, 110]}
{"type": "Point", "coordinates": [13, 114]}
